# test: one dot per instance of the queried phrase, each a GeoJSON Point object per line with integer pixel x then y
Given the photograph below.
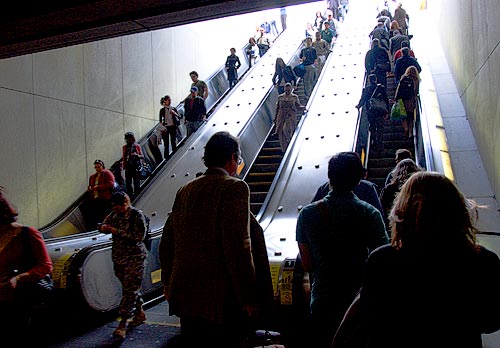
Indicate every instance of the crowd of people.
{"type": "Point", "coordinates": [406, 259]}
{"type": "Point", "coordinates": [318, 43]}
{"type": "Point", "coordinates": [390, 55]}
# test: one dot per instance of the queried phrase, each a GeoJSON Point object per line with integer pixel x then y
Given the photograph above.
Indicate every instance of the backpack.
{"type": "Point", "coordinates": [382, 63]}
{"type": "Point", "coordinates": [406, 89]}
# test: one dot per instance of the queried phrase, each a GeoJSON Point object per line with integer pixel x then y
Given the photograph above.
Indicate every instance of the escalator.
{"type": "Point", "coordinates": [72, 221]}
{"type": "Point", "coordinates": [83, 270]}
{"type": "Point", "coordinates": [263, 171]}
{"type": "Point", "coordinates": [81, 255]}
{"type": "Point", "coordinates": [382, 162]}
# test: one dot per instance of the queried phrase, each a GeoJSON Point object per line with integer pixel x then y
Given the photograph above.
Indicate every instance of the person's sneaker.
{"type": "Point", "coordinates": [121, 331]}
{"type": "Point", "coordinates": [138, 319]}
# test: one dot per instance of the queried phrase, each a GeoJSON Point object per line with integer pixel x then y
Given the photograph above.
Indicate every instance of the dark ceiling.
{"type": "Point", "coordinates": [28, 28]}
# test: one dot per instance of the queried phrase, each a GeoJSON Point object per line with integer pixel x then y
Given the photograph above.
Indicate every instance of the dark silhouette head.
{"type": "Point", "coordinates": [220, 148]}
{"type": "Point", "coordinates": [345, 170]}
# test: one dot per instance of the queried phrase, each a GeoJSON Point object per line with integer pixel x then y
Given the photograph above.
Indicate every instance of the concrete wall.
{"type": "Point", "coordinates": [470, 34]}
{"type": "Point", "coordinates": [62, 109]}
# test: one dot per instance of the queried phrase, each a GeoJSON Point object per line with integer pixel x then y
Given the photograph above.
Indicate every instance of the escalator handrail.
{"type": "Point", "coordinates": [291, 145]}
{"type": "Point", "coordinates": [143, 142]}
{"type": "Point", "coordinates": [425, 137]}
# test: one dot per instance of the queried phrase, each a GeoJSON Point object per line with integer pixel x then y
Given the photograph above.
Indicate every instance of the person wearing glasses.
{"type": "Point", "coordinates": [206, 260]}
{"type": "Point", "coordinates": [100, 188]}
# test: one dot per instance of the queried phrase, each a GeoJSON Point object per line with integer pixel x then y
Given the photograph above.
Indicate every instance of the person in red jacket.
{"type": "Point", "coordinates": [24, 260]}
{"type": "Point", "coordinates": [101, 185]}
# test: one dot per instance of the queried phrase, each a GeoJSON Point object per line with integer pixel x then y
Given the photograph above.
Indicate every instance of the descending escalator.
{"type": "Point", "coordinates": [73, 220]}
{"type": "Point", "coordinates": [261, 175]}
{"type": "Point", "coordinates": [82, 262]}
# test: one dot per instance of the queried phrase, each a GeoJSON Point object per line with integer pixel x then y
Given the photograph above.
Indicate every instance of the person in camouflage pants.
{"type": "Point", "coordinates": [128, 227]}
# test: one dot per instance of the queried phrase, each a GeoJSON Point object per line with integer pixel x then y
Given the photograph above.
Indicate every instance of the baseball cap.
{"type": "Point", "coordinates": [194, 89]}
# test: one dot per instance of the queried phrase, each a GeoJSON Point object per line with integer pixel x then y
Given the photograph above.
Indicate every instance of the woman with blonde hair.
{"type": "Point", "coordinates": [394, 26]}
{"type": "Point", "coordinates": [408, 91]}
{"type": "Point", "coordinates": [434, 285]}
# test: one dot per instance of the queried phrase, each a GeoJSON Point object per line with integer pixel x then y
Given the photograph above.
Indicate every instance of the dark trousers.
{"type": "Point", "coordinates": [169, 133]}
{"type": "Point", "coordinates": [262, 49]}
{"type": "Point", "coordinates": [98, 210]}
{"type": "Point", "coordinates": [132, 176]}
{"type": "Point", "coordinates": [232, 83]}
{"type": "Point", "coordinates": [377, 132]}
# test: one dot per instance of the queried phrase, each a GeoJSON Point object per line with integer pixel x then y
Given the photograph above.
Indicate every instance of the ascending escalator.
{"type": "Point", "coordinates": [380, 163]}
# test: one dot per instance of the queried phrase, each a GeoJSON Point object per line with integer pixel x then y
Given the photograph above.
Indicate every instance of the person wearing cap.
{"type": "Point", "coordinates": [195, 111]}
{"type": "Point", "coordinates": [199, 84]}
{"type": "Point", "coordinates": [127, 226]}
{"type": "Point", "coordinates": [262, 40]}
{"type": "Point", "coordinates": [286, 115]}
{"type": "Point", "coordinates": [335, 236]}
{"type": "Point", "coordinates": [100, 188]}
{"type": "Point", "coordinates": [131, 159]}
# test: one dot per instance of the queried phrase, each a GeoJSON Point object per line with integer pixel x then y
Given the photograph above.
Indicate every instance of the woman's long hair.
{"type": "Point", "coordinates": [279, 66]}
{"type": "Point", "coordinates": [431, 214]}
{"type": "Point", "coordinates": [413, 73]}
{"type": "Point", "coordinates": [403, 170]}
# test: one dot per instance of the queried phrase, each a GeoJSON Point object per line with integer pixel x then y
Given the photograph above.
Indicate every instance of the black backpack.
{"type": "Point", "coordinates": [406, 89]}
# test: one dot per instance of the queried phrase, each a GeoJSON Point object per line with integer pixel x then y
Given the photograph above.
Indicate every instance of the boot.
{"type": "Point", "coordinates": [138, 319]}
{"type": "Point", "coordinates": [121, 330]}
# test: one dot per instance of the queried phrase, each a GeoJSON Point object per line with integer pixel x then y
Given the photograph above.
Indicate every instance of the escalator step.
{"type": "Point", "coordinates": [393, 136]}
{"type": "Point", "coordinates": [398, 144]}
{"type": "Point", "coordinates": [261, 186]}
{"type": "Point", "coordinates": [260, 177]}
{"type": "Point", "coordinates": [256, 197]}
{"type": "Point", "coordinates": [271, 151]}
{"type": "Point", "coordinates": [387, 153]}
{"type": "Point", "coordinates": [269, 159]}
{"type": "Point", "coordinates": [381, 162]}
{"type": "Point", "coordinates": [265, 167]}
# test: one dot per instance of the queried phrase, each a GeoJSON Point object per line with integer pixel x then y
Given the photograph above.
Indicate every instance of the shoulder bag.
{"type": "Point", "coordinates": [377, 106]}
{"type": "Point", "coordinates": [398, 111]}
